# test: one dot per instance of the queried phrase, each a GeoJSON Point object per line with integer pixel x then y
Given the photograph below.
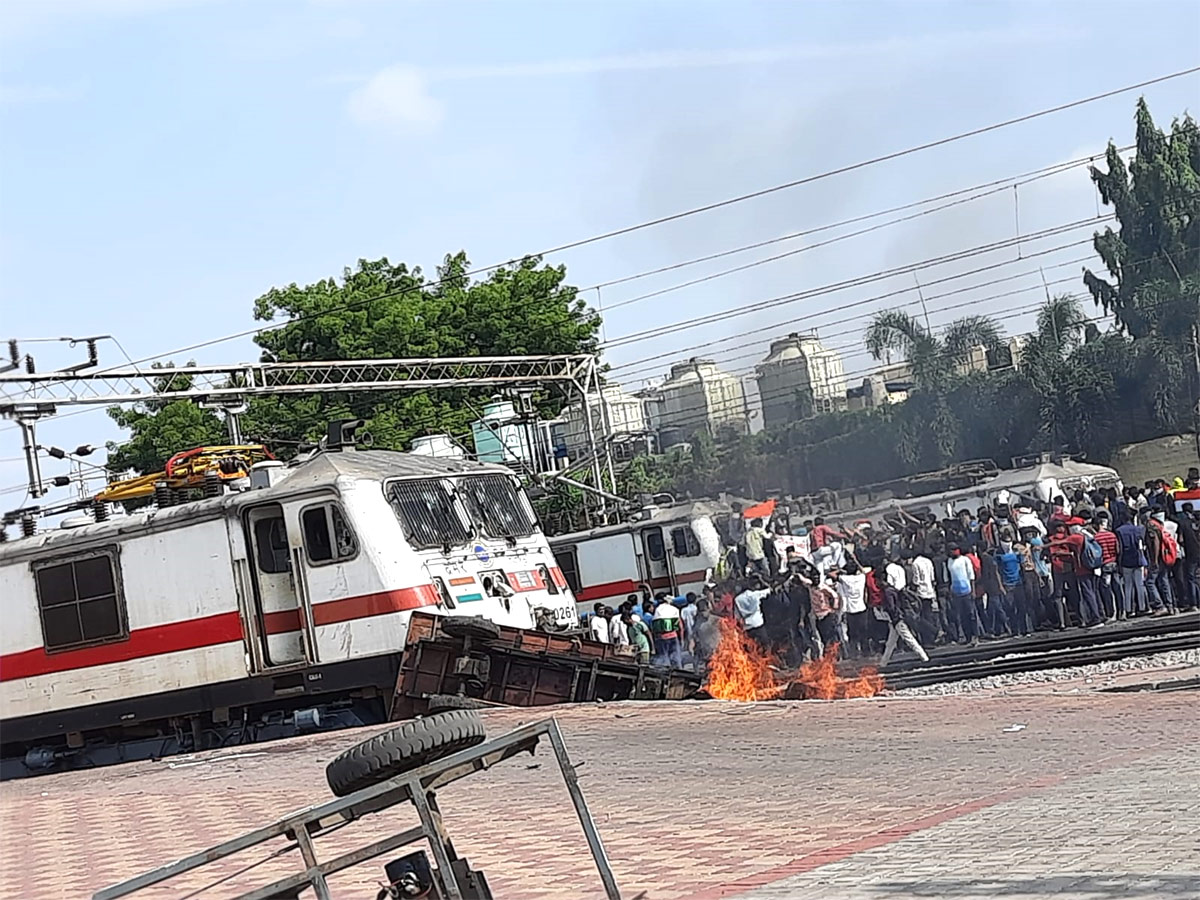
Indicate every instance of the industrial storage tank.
{"type": "Point", "coordinates": [696, 397]}
{"type": "Point", "coordinates": [799, 378]}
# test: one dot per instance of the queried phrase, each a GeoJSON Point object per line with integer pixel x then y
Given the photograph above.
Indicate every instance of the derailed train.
{"type": "Point", "coordinates": [266, 610]}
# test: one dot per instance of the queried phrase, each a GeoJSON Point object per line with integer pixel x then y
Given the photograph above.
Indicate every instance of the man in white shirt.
{"type": "Point", "coordinates": [851, 585]}
{"type": "Point", "coordinates": [688, 616]}
{"type": "Point", "coordinates": [895, 575]}
{"type": "Point", "coordinates": [748, 607]}
{"type": "Point", "coordinates": [600, 626]}
{"type": "Point", "coordinates": [666, 628]}
{"type": "Point", "coordinates": [618, 633]}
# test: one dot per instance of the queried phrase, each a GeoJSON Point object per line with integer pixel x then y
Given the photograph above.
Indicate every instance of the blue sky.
{"type": "Point", "coordinates": [163, 162]}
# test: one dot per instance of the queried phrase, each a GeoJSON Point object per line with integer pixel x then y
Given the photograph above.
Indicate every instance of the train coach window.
{"type": "Point", "coordinates": [684, 542]}
{"type": "Point", "coordinates": [80, 601]}
{"type": "Point", "coordinates": [327, 534]}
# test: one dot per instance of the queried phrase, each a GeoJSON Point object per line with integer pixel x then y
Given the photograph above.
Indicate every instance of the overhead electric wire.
{"type": "Point", "coordinates": [887, 157]}
{"type": "Point", "coordinates": [690, 349]}
{"type": "Point", "coordinates": [712, 276]}
{"type": "Point", "coordinates": [642, 362]}
{"type": "Point", "coordinates": [906, 269]}
{"type": "Point", "coordinates": [1004, 183]}
{"type": "Point", "coordinates": [720, 356]}
{"type": "Point", "coordinates": [629, 229]}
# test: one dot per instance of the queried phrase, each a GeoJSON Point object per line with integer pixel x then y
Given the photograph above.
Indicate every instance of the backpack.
{"type": "Point", "coordinates": [1170, 549]}
{"type": "Point", "coordinates": [1091, 554]}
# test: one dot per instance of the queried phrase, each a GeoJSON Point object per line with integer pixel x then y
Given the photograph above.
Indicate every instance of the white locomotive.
{"type": "Point", "coordinates": [259, 611]}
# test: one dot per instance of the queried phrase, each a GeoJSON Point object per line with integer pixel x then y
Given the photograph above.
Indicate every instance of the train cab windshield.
{"type": "Point", "coordinates": [441, 512]}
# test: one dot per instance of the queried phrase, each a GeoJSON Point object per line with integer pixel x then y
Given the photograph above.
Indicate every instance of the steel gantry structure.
{"type": "Point", "coordinates": [28, 396]}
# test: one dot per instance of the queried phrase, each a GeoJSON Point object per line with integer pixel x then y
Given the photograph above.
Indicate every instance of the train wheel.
{"type": "Point", "coordinates": [408, 746]}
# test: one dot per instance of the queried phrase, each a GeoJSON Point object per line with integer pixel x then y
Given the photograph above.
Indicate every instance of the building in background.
{"type": "Point", "coordinates": [696, 397]}
{"type": "Point", "coordinates": [798, 379]}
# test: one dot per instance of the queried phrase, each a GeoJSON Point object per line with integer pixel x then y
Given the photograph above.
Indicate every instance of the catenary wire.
{"type": "Point", "coordinates": [711, 206]}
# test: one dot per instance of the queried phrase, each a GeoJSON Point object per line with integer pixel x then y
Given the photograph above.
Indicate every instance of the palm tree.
{"type": "Point", "coordinates": [931, 433]}
{"type": "Point", "coordinates": [1062, 362]}
{"type": "Point", "coordinates": [934, 360]}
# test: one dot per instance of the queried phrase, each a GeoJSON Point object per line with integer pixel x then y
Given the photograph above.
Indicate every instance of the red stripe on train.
{"type": "Point", "coordinates": [208, 631]}
{"type": "Point", "coordinates": [629, 586]}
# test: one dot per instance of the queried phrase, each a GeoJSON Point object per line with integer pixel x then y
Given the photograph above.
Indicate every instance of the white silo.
{"type": "Point", "coordinates": [799, 378]}
{"type": "Point", "coordinates": [698, 396]}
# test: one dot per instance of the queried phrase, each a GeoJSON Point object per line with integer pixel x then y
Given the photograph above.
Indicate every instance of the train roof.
{"type": "Point", "coordinates": [322, 470]}
{"type": "Point", "coordinates": [658, 515]}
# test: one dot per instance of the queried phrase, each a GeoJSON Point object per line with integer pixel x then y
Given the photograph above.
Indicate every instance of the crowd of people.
{"type": "Point", "coordinates": [1011, 569]}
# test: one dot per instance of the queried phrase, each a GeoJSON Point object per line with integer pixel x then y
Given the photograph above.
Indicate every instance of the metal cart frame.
{"type": "Point", "coordinates": [418, 787]}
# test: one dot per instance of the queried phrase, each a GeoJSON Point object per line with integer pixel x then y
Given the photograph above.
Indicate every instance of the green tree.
{"type": "Point", "coordinates": [1153, 263]}
{"type": "Point", "coordinates": [934, 361]}
{"type": "Point", "coordinates": [380, 310]}
{"type": "Point", "coordinates": [930, 433]}
{"type": "Point", "coordinates": [1156, 200]}
{"type": "Point", "coordinates": [1075, 390]}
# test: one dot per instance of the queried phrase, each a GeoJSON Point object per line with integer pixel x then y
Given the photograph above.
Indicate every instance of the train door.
{"type": "Point", "coordinates": [282, 615]}
{"type": "Point", "coordinates": [658, 563]}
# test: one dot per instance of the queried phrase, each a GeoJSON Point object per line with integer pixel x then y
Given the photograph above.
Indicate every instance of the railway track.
{"type": "Point", "coordinates": [1078, 647]}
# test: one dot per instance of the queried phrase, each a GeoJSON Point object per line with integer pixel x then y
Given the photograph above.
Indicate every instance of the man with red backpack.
{"type": "Point", "coordinates": [1161, 553]}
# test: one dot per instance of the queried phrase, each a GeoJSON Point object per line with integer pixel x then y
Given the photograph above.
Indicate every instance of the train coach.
{"type": "Point", "coordinates": [281, 604]}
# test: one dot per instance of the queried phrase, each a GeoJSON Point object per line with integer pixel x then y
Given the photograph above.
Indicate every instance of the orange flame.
{"type": "Point", "coordinates": [820, 681]}
{"type": "Point", "coordinates": [740, 670]}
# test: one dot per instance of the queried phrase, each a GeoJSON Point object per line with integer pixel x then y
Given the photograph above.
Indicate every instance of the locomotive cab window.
{"type": "Point", "coordinates": [80, 602]}
{"type": "Point", "coordinates": [684, 542]}
{"type": "Point", "coordinates": [327, 534]}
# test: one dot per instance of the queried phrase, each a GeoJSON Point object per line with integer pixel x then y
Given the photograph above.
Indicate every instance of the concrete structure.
{"type": "Point", "coordinates": [697, 396]}
{"type": "Point", "coordinates": [888, 384]}
{"type": "Point", "coordinates": [615, 412]}
{"type": "Point", "coordinates": [892, 382]}
{"type": "Point", "coordinates": [800, 378]}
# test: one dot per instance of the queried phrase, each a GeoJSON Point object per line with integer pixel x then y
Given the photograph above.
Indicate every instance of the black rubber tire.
{"type": "Point", "coordinates": [438, 702]}
{"type": "Point", "coordinates": [408, 746]}
{"type": "Point", "coordinates": [476, 627]}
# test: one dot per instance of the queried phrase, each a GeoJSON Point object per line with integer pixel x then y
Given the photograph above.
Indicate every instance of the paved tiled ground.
{"type": "Point", "coordinates": [754, 794]}
{"type": "Point", "coordinates": [1089, 838]}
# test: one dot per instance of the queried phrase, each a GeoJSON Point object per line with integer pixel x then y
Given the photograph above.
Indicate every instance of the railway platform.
{"type": "Point", "coordinates": [1064, 793]}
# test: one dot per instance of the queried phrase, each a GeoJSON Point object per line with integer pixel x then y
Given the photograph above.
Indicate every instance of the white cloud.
{"type": "Point", "coordinates": [398, 99]}
{"type": "Point", "coordinates": [968, 42]}
{"type": "Point", "coordinates": [399, 96]}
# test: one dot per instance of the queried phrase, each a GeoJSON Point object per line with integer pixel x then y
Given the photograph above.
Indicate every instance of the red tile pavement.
{"type": "Point", "coordinates": [693, 800]}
